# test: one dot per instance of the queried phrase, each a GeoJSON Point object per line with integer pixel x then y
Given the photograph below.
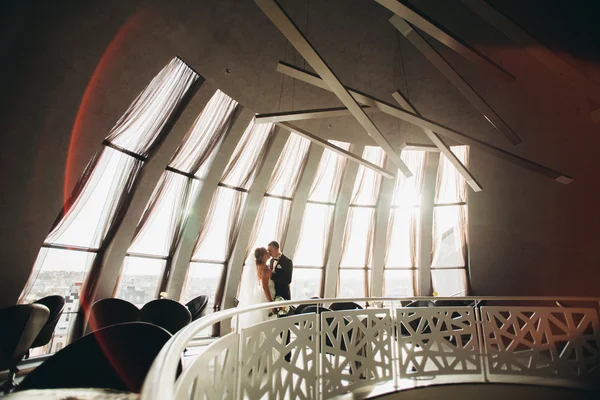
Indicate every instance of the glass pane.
{"type": "Point", "coordinates": [449, 282]}
{"type": "Point", "coordinates": [58, 271]}
{"type": "Point", "coordinates": [399, 283]}
{"type": "Point", "coordinates": [314, 235]}
{"type": "Point", "coordinates": [404, 239]}
{"type": "Point", "coordinates": [306, 283]}
{"type": "Point", "coordinates": [140, 280]}
{"type": "Point", "coordinates": [243, 164]}
{"type": "Point", "coordinates": [157, 234]}
{"type": "Point", "coordinates": [290, 165]}
{"type": "Point", "coordinates": [407, 191]}
{"type": "Point", "coordinates": [358, 235]}
{"type": "Point", "coordinates": [214, 242]}
{"type": "Point", "coordinates": [451, 186]}
{"type": "Point", "coordinates": [352, 283]}
{"type": "Point", "coordinates": [138, 128]}
{"type": "Point", "coordinates": [202, 279]}
{"type": "Point", "coordinates": [449, 236]}
{"type": "Point", "coordinates": [271, 222]}
{"type": "Point", "coordinates": [329, 174]}
{"type": "Point", "coordinates": [208, 129]}
{"type": "Point", "coordinates": [368, 182]}
{"type": "Point", "coordinates": [85, 223]}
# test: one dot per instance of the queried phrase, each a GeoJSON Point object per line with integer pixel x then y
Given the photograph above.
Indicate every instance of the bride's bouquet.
{"type": "Point", "coordinates": [280, 311]}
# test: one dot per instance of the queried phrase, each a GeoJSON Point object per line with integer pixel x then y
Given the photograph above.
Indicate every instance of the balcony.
{"type": "Point", "coordinates": [389, 345]}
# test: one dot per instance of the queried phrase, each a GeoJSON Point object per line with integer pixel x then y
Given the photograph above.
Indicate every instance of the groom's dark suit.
{"type": "Point", "coordinates": [282, 276]}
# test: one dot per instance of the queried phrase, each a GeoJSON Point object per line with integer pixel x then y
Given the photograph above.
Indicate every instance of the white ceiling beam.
{"type": "Point", "coordinates": [409, 146]}
{"type": "Point", "coordinates": [282, 21]}
{"type": "Point", "coordinates": [443, 147]}
{"type": "Point", "coordinates": [443, 37]}
{"type": "Point", "coordinates": [425, 123]}
{"type": "Point", "coordinates": [336, 149]}
{"type": "Point", "coordinates": [454, 77]}
{"type": "Point", "coordinates": [537, 50]}
{"type": "Point", "coordinates": [299, 115]}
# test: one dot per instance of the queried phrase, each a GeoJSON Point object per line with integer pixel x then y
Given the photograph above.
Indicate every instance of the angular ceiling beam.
{"type": "Point", "coordinates": [409, 146]}
{"type": "Point", "coordinates": [425, 123]}
{"type": "Point", "coordinates": [450, 73]}
{"type": "Point", "coordinates": [435, 31]}
{"type": "Point", "coordinates": [537, 50]}
{"type": "Point", "coordinates": [300, 115]}
{"type": "Point", "coordinates": [443, 147]}
{"type": "Point", "coordinates": [282, 21]}
{"type": "Point", "coordinates": [336, 149]}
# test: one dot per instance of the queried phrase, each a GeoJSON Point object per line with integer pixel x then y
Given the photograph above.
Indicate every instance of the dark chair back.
{"type": "Point", "coordinates": [20, 325]}
{"type": "Point", "coordinates": [168, 314]}
{"type": "Point", "coordinates": [300, 309]}
{"type": "Point", "coordinates": [56, 305]}
{"type": "Point", "coordinates": [107, 312]}
{"type": "Point", "coordinates": [197, 307]}
{"type": "Point", "coordinates": [348, 305]}
{"type": "Point", "coordinates": [117, 357]}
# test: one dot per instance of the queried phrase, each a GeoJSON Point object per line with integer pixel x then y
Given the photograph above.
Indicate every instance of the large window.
{"type": "Point", "coordinates": [274, 212]}
{"type": "Point", "coordinates": [148, 260]}
{"type": "Point", "coordinates": [66, 264]}
{"type": "Point", "coordinates": [401, 259]}
{"type": "Point", "coordinates": [357, 243]}
{"type": "Point", "coordinates": [221, 225]}
{"type": "Point", "coordinates": [449, 265]}
{"type": "Point", "coordinates": [313, 242]}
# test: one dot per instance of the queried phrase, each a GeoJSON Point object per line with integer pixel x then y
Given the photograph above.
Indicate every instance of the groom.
{"type": "Point", "coordinates": [282, 268]}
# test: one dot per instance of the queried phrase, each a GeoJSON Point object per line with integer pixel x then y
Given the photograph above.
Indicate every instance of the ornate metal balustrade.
{"type": "Point", "coordinates": [325, 354]}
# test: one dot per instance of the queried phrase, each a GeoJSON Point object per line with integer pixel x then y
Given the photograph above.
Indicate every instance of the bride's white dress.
{"type": "Point", "coordinates": [252, 293]}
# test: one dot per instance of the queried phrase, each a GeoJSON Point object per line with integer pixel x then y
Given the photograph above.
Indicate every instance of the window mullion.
{"type": "Point", "coordinates": [425, 233]}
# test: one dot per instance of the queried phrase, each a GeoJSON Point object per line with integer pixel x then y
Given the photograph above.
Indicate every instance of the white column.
{"type": "Point", "coordinates": [149, 176]}
{"type": "Point", "coordinates": [381, 228]}
{"type": "Point", "coordinates": [339, 224]}
{"type": "Point", "coordinates": [299, 203]}
{"type": "Point", "coordinates": [253, 200]}
{"type": "Point", "coordinates": [200, 206]}
{"type": "Point", "coordinates": [426, 231]}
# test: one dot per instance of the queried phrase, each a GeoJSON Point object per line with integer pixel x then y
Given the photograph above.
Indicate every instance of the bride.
{"type": "Point", "coordinates": [256, 287]}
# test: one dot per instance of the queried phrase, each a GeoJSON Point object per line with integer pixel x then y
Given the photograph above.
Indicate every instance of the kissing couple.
{"type": "Point", "coordinates": [267, 275]}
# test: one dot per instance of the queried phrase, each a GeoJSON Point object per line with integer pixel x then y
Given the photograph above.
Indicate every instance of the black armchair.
{"type": "Point", "coordinates": [197, 307]}
{"type": "Point", "coordinates": [56, 305]}
{"type": "Point", "coordinates": [349, 305]}
{"type": "Point", "coordinates": [117, 357]}
{"type": "Point", "coordinates": [168, 314]}
{"type": "Point", "coordinates": [20, 326]}
{"type": "Point", "coordinates": [110, 311]}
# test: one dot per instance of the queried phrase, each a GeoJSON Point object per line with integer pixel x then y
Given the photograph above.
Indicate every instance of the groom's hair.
{"type": "Point", "coordinates": [274, 244]}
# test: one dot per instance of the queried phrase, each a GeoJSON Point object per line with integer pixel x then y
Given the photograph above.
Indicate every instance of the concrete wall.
{"type": "Point", "coordinates": [73, 68]}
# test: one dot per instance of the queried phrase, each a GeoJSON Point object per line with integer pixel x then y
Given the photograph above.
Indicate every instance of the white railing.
{"type": "Point", "coordinates": [553, 341]}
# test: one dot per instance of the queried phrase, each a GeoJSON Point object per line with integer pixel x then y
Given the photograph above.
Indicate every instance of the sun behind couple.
{"type": "Point", "coordinates": [267, 275]}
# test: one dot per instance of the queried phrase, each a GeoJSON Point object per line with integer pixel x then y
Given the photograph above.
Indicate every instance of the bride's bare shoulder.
{"type": "Point", "coordinates": [263, 269]}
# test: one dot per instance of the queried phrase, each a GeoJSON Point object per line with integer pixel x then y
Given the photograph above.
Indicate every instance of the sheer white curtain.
{"type": "Point", "coordinates": [138, 129]}
{"type": "Point", "coordinates": [402, 236]}
{"type": "Point", "coordinates": [290, 166]}
{"type": "Point", "coordinates": [357, 241]}
{"type": "Point", "coordinates": [208, 131]}
{"type": "Point", "coordinates": [449, 263]}
{"type": "Point", "coordinates": [273, 215]}
{"type": "Point", "coordinates": [326, 185]}
{"type": "Point", "coordinates": [248, 156]}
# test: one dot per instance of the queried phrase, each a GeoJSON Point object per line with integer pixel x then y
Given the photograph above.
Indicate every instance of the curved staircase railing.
{"type": "Point", "coordinates": [407, 341]}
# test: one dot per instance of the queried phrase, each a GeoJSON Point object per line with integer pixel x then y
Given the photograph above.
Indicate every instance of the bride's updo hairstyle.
{"type": "Point", "coordinates": [259, 253]}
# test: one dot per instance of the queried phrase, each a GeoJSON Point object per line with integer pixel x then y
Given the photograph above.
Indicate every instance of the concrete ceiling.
{"type": "Point", "coordinates": [71, 69]}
